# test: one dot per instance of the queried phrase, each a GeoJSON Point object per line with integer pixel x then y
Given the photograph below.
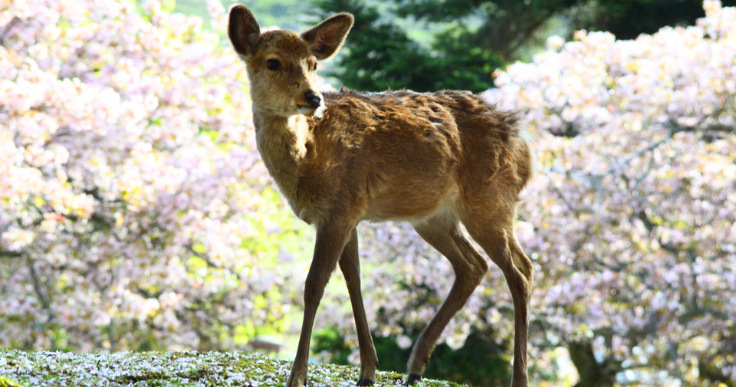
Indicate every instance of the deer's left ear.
{"type": "Point", "coordinates": [243, 30]}
{"type": "Point", "coordinates": [326, 38]}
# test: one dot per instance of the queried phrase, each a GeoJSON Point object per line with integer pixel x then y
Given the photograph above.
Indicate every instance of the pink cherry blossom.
{"type": "Point", "coordinates": [131, 207]}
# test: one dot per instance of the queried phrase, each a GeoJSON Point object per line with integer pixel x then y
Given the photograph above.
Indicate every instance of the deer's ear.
{"type": "Point", "coordinates": [327, 37]}
{"type": "Point", "coordinates": [243, 29]}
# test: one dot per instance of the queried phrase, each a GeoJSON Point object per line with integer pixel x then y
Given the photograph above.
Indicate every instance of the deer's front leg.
{"type": "Point", "coordinates": [350, 266]}
{"type": "Point", "coordinates": [331, 238]}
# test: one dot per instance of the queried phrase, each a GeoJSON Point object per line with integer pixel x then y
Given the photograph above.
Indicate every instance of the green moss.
{"type": "Point", "coordinates": [186, 368]}
{"type": "Point", "coordinates": [5, 382]}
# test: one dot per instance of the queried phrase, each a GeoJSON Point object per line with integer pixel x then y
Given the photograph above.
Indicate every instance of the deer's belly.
{"type": "Point", "coordinates": [412, 202]}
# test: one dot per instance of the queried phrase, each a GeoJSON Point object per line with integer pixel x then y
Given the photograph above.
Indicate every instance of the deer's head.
{"type": "Point", "coordinates": [281, 64]}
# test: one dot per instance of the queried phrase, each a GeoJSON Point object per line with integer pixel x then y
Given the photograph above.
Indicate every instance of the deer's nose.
{"type": "Point", "coordinates": [314, 100]}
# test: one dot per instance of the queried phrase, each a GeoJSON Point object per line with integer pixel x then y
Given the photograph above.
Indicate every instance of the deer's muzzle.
{"type": "Point", "coordinates": [313, 99]}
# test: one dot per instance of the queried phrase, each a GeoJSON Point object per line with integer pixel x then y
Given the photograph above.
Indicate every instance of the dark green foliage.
{"type": "Point", "coordinates": [505, 25]}
{"type": "Point", "coordinates": [628, 19]}
{"type": "Point", "coordinates": [479, 362]}
{"type": "Point", "coordinates": [382, 56]}
{"type": "Point", "coordinates": [471, 38]}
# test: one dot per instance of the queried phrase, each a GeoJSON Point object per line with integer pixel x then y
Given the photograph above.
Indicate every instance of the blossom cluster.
{"type": "Point", "coordinates": [134, 210]}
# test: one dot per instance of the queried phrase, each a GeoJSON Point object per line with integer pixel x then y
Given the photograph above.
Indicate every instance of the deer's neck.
{"type": "Point", "coordinates": [282, 144]}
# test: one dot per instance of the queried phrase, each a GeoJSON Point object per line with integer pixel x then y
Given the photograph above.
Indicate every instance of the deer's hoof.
{"type": "Point", "coordinates": [365, 382]}
{"type": "Point", "coordinates": [413, 378]}
{"type": "Point", "coordinates": [296, 379]}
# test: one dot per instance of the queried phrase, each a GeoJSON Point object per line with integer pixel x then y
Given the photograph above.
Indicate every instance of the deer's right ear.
{"type": "Point", "coordinates": [327, 37]}
{"type": "Point", "coordinates": [243, 29]}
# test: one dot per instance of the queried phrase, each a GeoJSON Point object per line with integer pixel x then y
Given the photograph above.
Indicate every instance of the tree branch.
{"type": "Point", "coordinates": [10, 254]}
{"type": "Point", "coordinates": [569, 205]}
{"type": "Point", "coordinates": [691, 314]}
{"type": "Point", "coordinates": [629, 159]}
{"type": "Point", "coordinates": [9, 27]}
{"type": "Point", "coordinates": [210, 263]}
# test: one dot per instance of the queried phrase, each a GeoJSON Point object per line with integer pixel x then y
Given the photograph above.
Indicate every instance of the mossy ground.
{"type": "Point", "coordinates": [5, 382]}
{"type": "Point", "coordinates": [186, 368]}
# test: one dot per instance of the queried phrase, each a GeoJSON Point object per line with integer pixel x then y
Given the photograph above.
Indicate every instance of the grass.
{"type": "Point", "coordinates": [186, 368]}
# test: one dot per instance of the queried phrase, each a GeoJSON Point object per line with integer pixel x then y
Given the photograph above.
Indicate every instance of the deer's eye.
{"type": "Point", "coordinates": [273, 64]}
{"type": "Point", "coordinates": [314, 66]}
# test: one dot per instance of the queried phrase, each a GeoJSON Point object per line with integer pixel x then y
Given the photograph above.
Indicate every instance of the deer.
{"type": "Point", "coordinates": [435, 160]}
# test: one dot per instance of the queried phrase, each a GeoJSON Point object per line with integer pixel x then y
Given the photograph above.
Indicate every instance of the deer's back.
{"type": "Point", "coordinates": [407, 153]}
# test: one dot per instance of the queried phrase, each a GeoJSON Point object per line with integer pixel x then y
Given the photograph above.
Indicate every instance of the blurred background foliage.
{"type": "Point", "coordinates": [407, 43]}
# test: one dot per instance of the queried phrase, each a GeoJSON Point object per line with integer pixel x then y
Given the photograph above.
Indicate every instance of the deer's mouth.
{"type": "Point", "coordinates": [305, 109]}
{"type": "Point", "coordinates": [311, 111]}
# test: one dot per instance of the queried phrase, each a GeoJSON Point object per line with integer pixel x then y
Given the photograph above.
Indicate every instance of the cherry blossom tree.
{"type": "Point", "coordinates": [134, 211]}
{"type": "Point", "coordinates": [632, 218]}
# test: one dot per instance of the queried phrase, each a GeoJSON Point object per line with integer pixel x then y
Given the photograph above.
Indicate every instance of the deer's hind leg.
{"type": "Point", "coordinates": [350, 267]}
{"type": "Point", "coordinates": [442, 233]}
{"type": "Point", "coordinates": [489, 219]}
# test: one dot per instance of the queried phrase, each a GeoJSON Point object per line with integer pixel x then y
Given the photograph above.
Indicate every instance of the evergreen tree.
{"type": "Point", "coordinates": [478, 36]}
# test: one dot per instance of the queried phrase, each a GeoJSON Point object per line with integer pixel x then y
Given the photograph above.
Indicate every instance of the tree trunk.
{"type": "Point", "coordinates": [592, 373]}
